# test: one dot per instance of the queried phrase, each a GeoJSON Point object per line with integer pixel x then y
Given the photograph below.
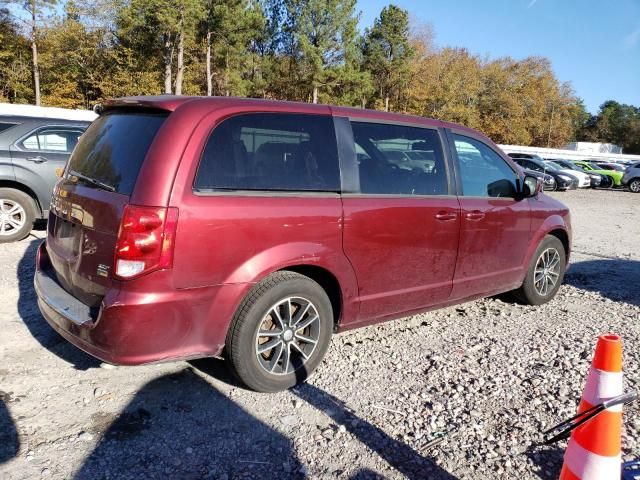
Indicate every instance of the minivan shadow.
{"type": "Point", "coordinates": [397, 454]}
{"type": "Point", "coordinates": [180, 426]}
{"type": "Point", "coordinates": [37, 325]}
{"type": "Point", "coordinates": [615, 279]}
{"type": "Point", "coordinates": [9, 440]}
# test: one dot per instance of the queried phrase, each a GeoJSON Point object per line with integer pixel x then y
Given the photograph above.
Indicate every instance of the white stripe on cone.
{"type": "Point", "coordinates": [602, 386]}
{"type": "Point", "coordinates": [591, 466]}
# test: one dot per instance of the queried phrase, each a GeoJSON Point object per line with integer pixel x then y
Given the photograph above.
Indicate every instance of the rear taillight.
{"type": "Point", "coordinates": [145, 240]}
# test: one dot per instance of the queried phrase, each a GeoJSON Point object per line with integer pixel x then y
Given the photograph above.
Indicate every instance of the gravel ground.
{"type": "Point", "coordinates": [482, 378]}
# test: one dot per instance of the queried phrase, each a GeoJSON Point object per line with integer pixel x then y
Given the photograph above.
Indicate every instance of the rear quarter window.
{"type": "Point", "coordinates": [112, 149]}
{"type": "Point", "coordinates": [270, 152]}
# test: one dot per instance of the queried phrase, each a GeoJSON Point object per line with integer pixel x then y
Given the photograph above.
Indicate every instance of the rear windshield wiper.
{"type": "Point", "coordinates": [92, 181]}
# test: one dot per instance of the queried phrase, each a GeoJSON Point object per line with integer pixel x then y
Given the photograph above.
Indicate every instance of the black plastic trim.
{"type": "Point", "coordinates": [349, 176]}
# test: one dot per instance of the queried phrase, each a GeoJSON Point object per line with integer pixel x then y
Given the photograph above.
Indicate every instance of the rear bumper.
{"type": "Point", "coordinates": [136, 325]}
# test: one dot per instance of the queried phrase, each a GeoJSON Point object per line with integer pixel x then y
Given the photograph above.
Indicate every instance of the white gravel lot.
{"type": "Point", "coordinates": [485, 377]}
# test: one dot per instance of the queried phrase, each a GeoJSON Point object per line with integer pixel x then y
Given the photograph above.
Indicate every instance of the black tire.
{"type": "Point", "coordinates": [243, 340]}
{"type": "Point", "coordinates": [529, 293]}
{"type": "Point", "coordinates": [10, 198]}
{"type": "Point", "coordinates": [634, 185]}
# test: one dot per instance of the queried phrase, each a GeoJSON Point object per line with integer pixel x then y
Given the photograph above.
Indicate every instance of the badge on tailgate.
{"type": "Point", "coordinates": [103, 270]}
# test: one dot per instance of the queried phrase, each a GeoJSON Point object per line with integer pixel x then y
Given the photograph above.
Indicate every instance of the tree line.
{"type": "Point", "coordinates": [76, 53]}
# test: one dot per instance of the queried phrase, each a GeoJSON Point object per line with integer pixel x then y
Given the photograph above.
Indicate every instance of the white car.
{"type": "Point", "coordinates": [584, 180]}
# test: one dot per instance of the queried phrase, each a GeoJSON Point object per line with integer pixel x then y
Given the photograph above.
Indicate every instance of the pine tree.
{"type": "Point", "coordinates": [388, 53]}
{"type": "Point", "coordinates": [318, 35]}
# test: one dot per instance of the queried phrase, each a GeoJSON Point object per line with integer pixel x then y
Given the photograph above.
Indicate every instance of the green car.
{"type": "Point", "coordinates": [614, 175]}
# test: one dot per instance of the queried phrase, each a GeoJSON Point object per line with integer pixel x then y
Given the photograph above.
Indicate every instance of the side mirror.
{"type": "Point", "coordinates": [531, 186]}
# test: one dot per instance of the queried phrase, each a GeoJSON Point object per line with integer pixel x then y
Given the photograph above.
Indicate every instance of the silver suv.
{"type": "Point", "coordinates": [631, 178]}
{"type": "Point", "coordinates": [31, 150]}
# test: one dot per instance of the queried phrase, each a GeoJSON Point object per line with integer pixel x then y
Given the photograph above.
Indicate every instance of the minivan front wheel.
{"type": "Point", "coordinates": [545, 273]}
{"type": "Point", "coordinates": [280, 333]}
{"type": "Point", "coordinates": [16, 215]}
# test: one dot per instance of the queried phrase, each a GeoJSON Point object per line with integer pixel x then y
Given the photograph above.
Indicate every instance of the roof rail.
{"type": "Point", "coordinates": [15, 110]}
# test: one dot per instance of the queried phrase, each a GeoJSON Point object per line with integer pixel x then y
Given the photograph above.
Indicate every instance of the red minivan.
{"type": "Point", "coordinates": [189, 227]}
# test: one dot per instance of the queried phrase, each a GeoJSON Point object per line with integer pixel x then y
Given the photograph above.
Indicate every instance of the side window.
{"type": "Point", "coordinates": [271, 151]}
{"type": "Point", "coordinates": [60, 140]}
{"type": "Point", "coordinates": [483, 172]}
{"type": "Point", "coordinates": [400, 160]}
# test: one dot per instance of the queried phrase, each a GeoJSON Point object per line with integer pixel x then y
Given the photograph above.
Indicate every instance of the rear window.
{"type": "Point", "coordinates": [6, 126]}
{"type": "Point", "coordinates": [112, 149]}
{"type": "Point", "coordinates": [271, 151]}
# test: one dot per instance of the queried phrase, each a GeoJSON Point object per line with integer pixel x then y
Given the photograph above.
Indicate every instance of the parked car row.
{"type": "Point", "coordinates": [570, 174]}
{"type": "Point", "coordinates": [34, 143]}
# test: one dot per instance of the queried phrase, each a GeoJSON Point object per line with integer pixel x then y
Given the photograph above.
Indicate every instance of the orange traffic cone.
{"type": "Point", "coordinates": [593, 452]}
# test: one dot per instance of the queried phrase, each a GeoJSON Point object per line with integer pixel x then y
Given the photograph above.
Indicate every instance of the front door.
{"type": "Point", "coordinates": [401, 228]}
{"type": "Point", "coordinates": [495, 227]}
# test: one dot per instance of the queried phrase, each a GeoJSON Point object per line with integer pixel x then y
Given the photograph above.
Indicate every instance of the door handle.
{"type": "Point", "coordinates": [37, 159]}
{"type": "Point", "coordinates": [474, 215]}
{"type": "Point", "coordinates": [445, 216]}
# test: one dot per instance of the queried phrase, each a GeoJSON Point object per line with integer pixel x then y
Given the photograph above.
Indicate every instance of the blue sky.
{"type": "Point", "coordinates": [594, 44]}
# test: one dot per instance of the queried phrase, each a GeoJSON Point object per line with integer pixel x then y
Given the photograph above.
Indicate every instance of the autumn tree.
{"type": "Point", "coordinates": [15, 84]}
{"type": "Point", "coordinates": [446, 84]}
{"type": "Point", "coordinates": [32, 13]}
{"type": "Point", "coordinates": [73, 60]}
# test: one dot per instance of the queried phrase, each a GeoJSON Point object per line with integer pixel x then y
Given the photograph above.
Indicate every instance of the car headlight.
{"type": "Point", "coordinates": [549, 180]}
{"type": "Point", "coordinates": [566, 178]}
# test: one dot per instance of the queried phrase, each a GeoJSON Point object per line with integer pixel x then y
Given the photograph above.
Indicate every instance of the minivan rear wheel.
{"type": "Point", "coordinates": [545, 273]}
{"type": "Point", "coordinates": [280, 333]}
{"type": "Point", "coordinates": [17, 214]}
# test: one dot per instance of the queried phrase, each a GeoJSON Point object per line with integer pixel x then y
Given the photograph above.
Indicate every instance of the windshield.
{"type": "Point", "coordinates": [553, 165]}
{"type": "Point", "coordinates": [615, 166]}
{"type": "Point", "coordinates": [111, 151]}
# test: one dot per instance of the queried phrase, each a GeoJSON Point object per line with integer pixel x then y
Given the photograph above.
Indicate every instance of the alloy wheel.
{"type": "Point", "coordinates": [546, 272]}
{"type": "Point", "coordinates": [634, 186]}
{"type": "Point", "coordinates": [287, 335]}
{"type": "Point", "coordinates": [12, 217]}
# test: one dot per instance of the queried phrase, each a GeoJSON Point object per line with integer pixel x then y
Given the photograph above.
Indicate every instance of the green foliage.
{"type": "Point", "coordinates": [321, 38]}
{"type": "Point", "coordinates": [235, 27]}
{"type": "Point", "coordinates": [15, 69]}
{"type": "Point", "coordinates": [302, 50]}
{"type": "Point", "coordinates": [387, 55]}
{"type": "Point", "coordinates": [615, 123]}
